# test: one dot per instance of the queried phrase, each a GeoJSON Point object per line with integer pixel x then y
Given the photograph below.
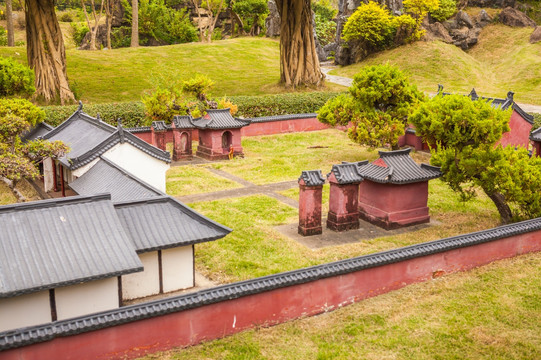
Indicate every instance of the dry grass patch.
{"type": "Point", "coordinates": [6, 195]}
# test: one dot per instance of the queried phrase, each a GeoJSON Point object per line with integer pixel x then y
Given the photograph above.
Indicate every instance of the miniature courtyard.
{"type": "Point", "coordinates": [257, 196]}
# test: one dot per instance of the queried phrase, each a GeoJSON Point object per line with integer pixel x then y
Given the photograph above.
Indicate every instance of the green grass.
{"type": "Point", "coordinates": [503, 60]}
{"type": "Point", "coordinates": [186, 180]}
{"type": "Point", "coordinates": [283, 157]}
{"type": "Point", "coordinates": [241, 66]}
{"type": "Point", "coordinates": [488, 313]}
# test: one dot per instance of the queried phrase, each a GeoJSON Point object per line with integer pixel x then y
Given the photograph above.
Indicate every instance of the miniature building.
{"type": "Point", "coordinates": [520, 123]}
{"type": "Point", "coordinates": [535, 136]}
{"type": "Point", "coordinates": [343, 197]}
{"type": "Point", "coordinates": [394, 192]}
{"type": "Point", "coordinates": [89, 139]}
{"type": "Point", "coordinates": [218, 132]}
{"type": "Point", "coordinates": [310, 197]}
{"type": "Point", "coordinates": [158, 130]}
{"type": "Point", "coordinates": [182, 137]}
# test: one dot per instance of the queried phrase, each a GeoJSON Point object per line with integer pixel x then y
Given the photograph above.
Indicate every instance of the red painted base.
{"type": "Point", "coordinates": [393, 220]}
{"type": "Point", "coordinates": [212, 154]}
{"type": "Point", "coordinates": [342, 222]}
{"type": "Point", "coordinates": [310, 231]}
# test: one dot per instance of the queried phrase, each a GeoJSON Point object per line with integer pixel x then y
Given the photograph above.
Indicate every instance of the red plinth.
{"type": "Point", "coordinates": [310, 209]}
{"type": "Point", "coordinates": [343, 206]}
{"type": "Point", "coordinates": [182, 143]}
{"type": "Point", "coordinates": [215, 144]}
{"type": "Point", "coordinates": [393, 206]}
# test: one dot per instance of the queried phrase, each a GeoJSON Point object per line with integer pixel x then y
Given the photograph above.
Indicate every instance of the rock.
{"type": "Point", "coordinates": [330, 47]}
{"type": "Point", "coordinates": [536, 35]}
{"type": "Point", "coordinates": [463, 19]}
{"type": "Point", "coordinates": [101, 39]}
{"type": "Point", "coordinates": [491, 3]}
{"type": "Point", "coordinates": [272, 22]}
{"type": "Point", "coordinates": [515, 18]}
{"type": "Point", "coordinates": [117, 12]}
{"type": "Point", "coordinates": [438, 31]}
{"type": "Point", "coordinates": [483, 19]}
{"type": "Point", "coordinates": [465, 38]}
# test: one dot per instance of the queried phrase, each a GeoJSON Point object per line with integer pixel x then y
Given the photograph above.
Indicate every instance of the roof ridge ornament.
{"type": "Point", "coordinates": [80, 106]}
{"type": "Point", "coordinates": [473, 94]}
{"type": "Point", "coordinates": [120, 130]}
{"type": "Point", "coordinates": [440, 89]}
{"type": "Point", "coordinates": [510, 95]}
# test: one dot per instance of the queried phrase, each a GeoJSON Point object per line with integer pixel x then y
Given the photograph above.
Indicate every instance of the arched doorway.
{"type": "Point", "coordinates": [184, 143]}
{"type": "Point", "coordinates": [227, 140]}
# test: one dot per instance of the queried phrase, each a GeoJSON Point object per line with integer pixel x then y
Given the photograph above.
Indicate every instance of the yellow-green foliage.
{"type": "Point", "coordinates": [163, 104]}
{"type": "Point", "coordinates": [377, 106]}
{"type": "Point", "coordinates": [370, 23]}
{"type": "Point", "coordinates": [445, 10]}
{"type": "Point", "coordinates": [418, 9]}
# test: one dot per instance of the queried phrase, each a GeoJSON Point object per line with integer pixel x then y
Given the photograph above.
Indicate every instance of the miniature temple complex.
{"type": "Point", "coordinates": [182, 137]}
{"type": "Point", "coordinates": [344, 181]}
{"type": "Point", "coordinates": [310, 197]}
{"type": "Point", "coordinates": [394, 192]}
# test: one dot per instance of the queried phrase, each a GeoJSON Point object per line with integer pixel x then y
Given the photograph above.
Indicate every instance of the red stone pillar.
{"type": "Point", "coordinates": [344, 197]}
{"type": "Point", "coordinates": [158, 132]}
{"type": "Point", "coordinates": [182, 143]}
{"type": "Point", "coordinates": [310, 194]}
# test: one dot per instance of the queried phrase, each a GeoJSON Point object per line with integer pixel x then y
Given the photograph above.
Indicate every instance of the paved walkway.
{"type": "Point", "coordinates": [345, 81]}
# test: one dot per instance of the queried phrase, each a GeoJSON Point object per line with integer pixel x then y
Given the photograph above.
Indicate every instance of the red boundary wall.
{"type": "Point", "coordinates": [216, 320]}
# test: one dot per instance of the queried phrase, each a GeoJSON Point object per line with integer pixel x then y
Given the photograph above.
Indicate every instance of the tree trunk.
{"type": "Point", "coordinates": [134, 24]}
{"type": "Point", "coordinates": [108, 21]}
{"type": "Point", "coordinates": [299, 64]}
{"type": "Point", "coordinates": [45, 51]}
{"type": "Point", "coordinates": [505, 211]}
{"type": "Point", "coordinates": [9, 19]}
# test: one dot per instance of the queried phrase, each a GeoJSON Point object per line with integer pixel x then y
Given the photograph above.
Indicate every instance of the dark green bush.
{"type": "Point", "coordinates": [3, 37]}
{"type": "Point", "coordinates": [78, 32]}
{"type": "Point", "coordinates": [15, 78]}
{"type": "Point", "coordinates": [133, 113]}
{"type": "Point", "coordinates": [121, 37]}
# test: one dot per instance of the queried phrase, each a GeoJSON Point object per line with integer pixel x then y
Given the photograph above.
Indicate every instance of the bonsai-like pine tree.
{"type": "Point", "coordinates": [376, 107]}
{"type": "Point", "coordinates": [463, 136]}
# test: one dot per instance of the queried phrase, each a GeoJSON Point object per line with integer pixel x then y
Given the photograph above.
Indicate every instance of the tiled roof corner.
{"type": "Point", "coordinates": [346, 173]}
{"type": "Point", "coordinates": [139, 129]}
{"type": "Point", "coordinates": [159, 126]}
{"type": "Point", "coordinates": [183, 122]}
{"type": "Point", "coordinates": [219, 119]}
{"type": "Point", "coordinates": [312, 178]}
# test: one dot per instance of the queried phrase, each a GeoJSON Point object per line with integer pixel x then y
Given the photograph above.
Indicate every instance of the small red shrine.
{"type": "Point", "coordinates": [344, 182]}
{"type": "Point", "coordinates": [394, 192]}
{"type": "Point", "coordinates": [310, 196]}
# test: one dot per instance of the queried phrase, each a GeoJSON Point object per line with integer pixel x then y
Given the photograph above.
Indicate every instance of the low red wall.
{"type": "Point", "coordinates": [519, 135]}
{"type": "Point", "coordinates": [217, 320]}
{"type": "Point", "coordinates": [283, 126]}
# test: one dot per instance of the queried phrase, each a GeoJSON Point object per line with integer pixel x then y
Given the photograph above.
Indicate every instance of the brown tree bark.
{"type": "Point", "coordinates": [503, 208]}
{"type": "Point", "coordinates": [45, 51]}
{"type": "Point", "coordinates": [299, 64]}
{"type": "Point", "coordinates": [9, 19]}
{"type": "Point", "coordinates": [108, 21]}
{"type": "Point", "coordinates": [134, 23]}
{"type": "Point", "coordinates": [93, 29]}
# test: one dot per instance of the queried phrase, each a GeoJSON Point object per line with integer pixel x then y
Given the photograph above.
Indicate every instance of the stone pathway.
{"type": "Point", "coordinates": [345, 81]}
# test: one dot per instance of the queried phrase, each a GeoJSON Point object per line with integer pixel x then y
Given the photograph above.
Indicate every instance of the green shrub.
{"type": "Point", "coordinates": [132, 113]}
{"type": "Point", "coordinates": [446, 9]}
{"type": "Point", "coordinates": [370, 23]}
{"type": "Point", "coordinates": [16, 79]}
{"type": "Point", "coordinates": [325, 30]}
{"type": "Point", "coordinates": [3, 37]}
{"type": "Point", "coordinates": [78, 32]}
{"type": "Point", "coordinates": [163, 104]}
{"type": "Point", "coordinates": [65, 17]}
{"type": "Point", "coordinates": [324, 9]}
{"type": "Point", "coordinates": [121, 37]}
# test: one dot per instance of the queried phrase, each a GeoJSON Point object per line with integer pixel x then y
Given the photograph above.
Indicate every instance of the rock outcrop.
{"type": "Point", "coordinates": [272, 22]}
{"type": "Point", "coordinates": [515, 18]}
{"type": "Point", "coordinates": [536, 35]}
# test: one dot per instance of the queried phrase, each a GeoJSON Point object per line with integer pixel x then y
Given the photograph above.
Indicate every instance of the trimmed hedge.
{"type": "Point", "coordinates": [133, 113]}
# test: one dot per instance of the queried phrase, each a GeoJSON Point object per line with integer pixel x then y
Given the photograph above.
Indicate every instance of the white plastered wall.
{"type": "Point", "coordinates": [25, 310]}
{"type": "Point", "coordinates": [143, 283]}
{"type": "Point", "coordinates": [80, 171]}
{"type": "Point", "coordinates": [86, 298]}
{"type": "Point", "coordinates": [177, 268]}
{"type": "Point", "coordinates": [140, 164]}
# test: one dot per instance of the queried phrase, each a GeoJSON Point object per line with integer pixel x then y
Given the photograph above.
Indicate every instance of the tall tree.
{"type": "Point", "coordinates": [206, 28]}
{"type": "Point", "coordinates": [134, 23]}
{"type": "Point", "coordinates": [108, 20]}
{"type": "Point", "coordinates": [45, 51]}
{"type": "Point", "coordinates": [96, 18]}
{"type": "Point", "coordinates": [9, 20]}
{"type": "Point", "coordinates": [299, 64]}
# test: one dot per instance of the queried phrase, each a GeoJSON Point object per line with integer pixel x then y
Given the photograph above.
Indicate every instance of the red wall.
{"type": "Point", "coordinates": [284, 126]}
{"type": "Point", "coordinates": [272, 307]}
{"type": "Point", "coordinates": [519, 134]}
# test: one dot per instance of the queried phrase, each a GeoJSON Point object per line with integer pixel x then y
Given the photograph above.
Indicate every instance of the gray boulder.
{"type": "Point", "coordinates": [492, 3]}
{"type": "Point", "coordinates": [272, 22]}
{"type": "Point", "coordinates": [463, 19]}
{"type": "Point", "coordinates": [437, 31]}
{"type": "Point", "coordinates": [483, 19]}
{"type": "Point", "coordinates": [513, 17]}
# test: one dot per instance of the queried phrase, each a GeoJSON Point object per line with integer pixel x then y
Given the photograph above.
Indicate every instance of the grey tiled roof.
{"type": "Point", "coordinates": [51, 243]}
{"type": "Point", "coordinates": [183, 122]}
{"type": "Point", "coordinates": [119, 136]}
{"type": "Point", "coordinates": [282, 117]}
{"type": "Point", "coordinates": [219, 119]}
{"type": "Point", "coordinates": [127, 314]}
{"type": "Point", "coordinates": [37, 131]}
{"type": "Point", "coordinates": [312, 178]}
{"type": "Point", "coordinates": [536, 135]}
{"type": "Point", "coordinates": [81, 132]}
{"type": "Point", "coordinates": [163, 222]}
{"type": "Point", "coordinates": [159, 126]}
{"type": "Point", "coordinates": [497, 103]}
{"type": "Point", "coordinates": [346, 173]}
{"type": "Point", "coordinates": [107, 177]}
{"type": "Point", "coordinates": [397, 167]}
{"type": "Point", "coordinates": [140, 129]}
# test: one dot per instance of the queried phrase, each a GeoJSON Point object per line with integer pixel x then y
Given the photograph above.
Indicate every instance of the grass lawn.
{"type": "Point", "coordinates": [255, 248]}
{"type": "Point", "coordinates": [503, 60]}
{"type": "Point", "coordinates": [488, 313]}
{"type": "Point", "coordinates": [185, 180]}
{"type": "Point", "coordinates": [241, 66]}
